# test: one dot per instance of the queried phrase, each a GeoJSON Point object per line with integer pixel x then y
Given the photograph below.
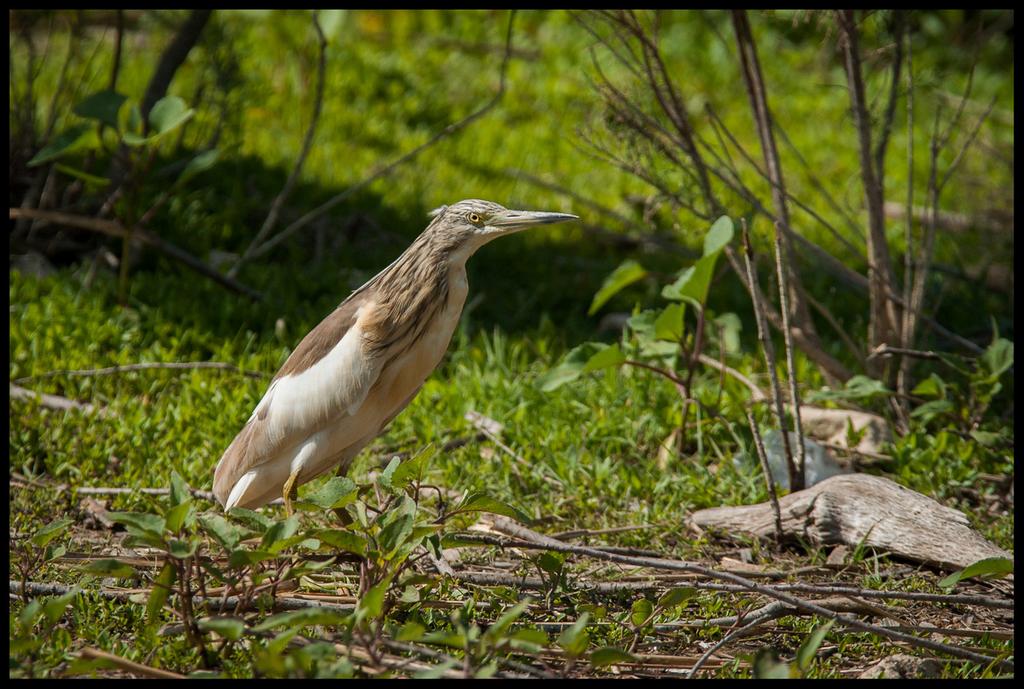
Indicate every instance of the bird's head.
{"type": "Point", "coordinates": [468, 225]}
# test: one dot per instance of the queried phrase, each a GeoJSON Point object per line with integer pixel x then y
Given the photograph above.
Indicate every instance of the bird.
{"type": "Point", "coordinates": [352, 374]}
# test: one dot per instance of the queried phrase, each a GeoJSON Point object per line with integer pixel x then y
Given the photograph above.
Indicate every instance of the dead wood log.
{"type": "Point", "coordinates": [859, 508]}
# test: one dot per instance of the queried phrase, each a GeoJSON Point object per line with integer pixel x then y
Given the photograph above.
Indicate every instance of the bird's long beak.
{"type": "Point", "coordinates": [513, 221]}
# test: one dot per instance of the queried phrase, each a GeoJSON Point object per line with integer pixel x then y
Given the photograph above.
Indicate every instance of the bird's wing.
{"type": "Point", "coordinates": [326, 377]}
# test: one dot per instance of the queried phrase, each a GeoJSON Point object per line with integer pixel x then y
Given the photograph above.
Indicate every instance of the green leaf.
{"type": "Point", "coordinates": [858, 387]}
{"type": "Point", "coordinates": [720, 234]}
{"type": "Point", "coordinates": [384, 479]}
{"type": "Point", "coordinates": [410, 631]}
{"type": "Point", "coordinates": [574, 639]}
{"type": "Point", "coordinates": [412, 468]}
{"type": "Point", "coordinates": [810, 646]}
{"type": "Point", "coordinates": [481, 502]}
{"type": "Point", "coordinates": [605, 358]}
{"type": "Point", "coordinates": [343, 540]}
{"type": "Point", "coordinates": [767, 666]}
{"type": "Point", "coordinates": [167, 114]}
{"type": "Point", "coordinates": [53, 608]}
{"type": "Point", "coordinates": [230, 628]}
{"type": "Point", "coordinates": [641, 611]}
{"type": "Point", "coordinates": [609, 655]}
{"type": "Point", "coordinates": [694, 282]}
{"type": "Point", "coordinates": [395, 534]}
{"type": "Point", "coordinates": [337, 492]}
{"type": "Point", "coordinates": [111, 568]}
{"type": "Point", "coordinates": [571, 366]}
{"type": "Point", "coordinates": [71, 139]}
{"type": "Point", "coordinates": [296, 619]}
{"type": "Point", "coordinates": [242, 557]}
{"type": "Point", "coordinates": [987, 438]}
{"type": "Point", "coordinates": [51, 531]}
{"type": "Point", "coordinates": [991, 566]}
{"type": "Point", "coordinates": [223, 531]}
{"type": "Point", "coordinates": [94, 180]}
{"type": "Point", "coordinates": [279, 531]}
{"type": "Point", "coordinates": [669, 324]}
{"type": "Point", "coordinates": [140, 523]}
{"type": "Point", "coordinates": [675, 597]}
{"type": "Point", "coordinates": [932, 386]}
{"type": "Point", "coordinates": [930, 410]}
{"type": "Point", "coordinates": [102, 106]}
{"type": "Point", "coordinates": [528, 640]}
{"type": "Point", "coordinates": [161, 590]}
{"type": "Point", "coordinates": [202, 162]}
{"type": "Point", "coordinates": [998, 358]}
{"type": "Point", "coordinates": [182, 549]}
{"type": "Point", "coordinates": [179, 490]}
{"type": "Point", "coordinates": [730, 326]}
{"type": "Point", "coordinates": [626, 274]}
{"type": "Point", "coordinates": [180, 515]}
{"type": "Point", "coordinates": [372, 603]}
{"type": "Point", "coordinates": [551, 562]}
{"type": "Point", "coordinates": [497, 630]}
{"type": "Point", "coordinates": [330, 22]}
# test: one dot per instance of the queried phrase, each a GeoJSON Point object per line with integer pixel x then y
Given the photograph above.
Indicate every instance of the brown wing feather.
{"type": "Point", "coordinates": [251, 447]}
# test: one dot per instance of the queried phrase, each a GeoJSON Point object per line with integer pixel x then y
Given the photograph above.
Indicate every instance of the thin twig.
{"type": "Point", "coordinates": [769, 354]}
{"type": "Point", "coordinates": [307, 144]}
{"type": "Point", "coordinates": [90, 653]}
{"type": "Point", "coordinates": [768, 478]}
{"type": "Point", "coordinates": [56, 401]}
{"type": "Point", "coordinates": [406, 157]}
{"type": "Point", "coordinates": [787, 338]}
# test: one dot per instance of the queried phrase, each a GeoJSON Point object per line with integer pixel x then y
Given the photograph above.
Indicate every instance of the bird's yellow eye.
{"type": "Point", "coordinates": [474, 218]}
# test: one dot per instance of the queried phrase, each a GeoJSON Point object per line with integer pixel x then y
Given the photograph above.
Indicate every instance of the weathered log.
{"type": "Point", "coordinates": [860, 508]}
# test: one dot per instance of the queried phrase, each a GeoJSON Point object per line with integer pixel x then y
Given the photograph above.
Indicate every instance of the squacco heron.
{"type": "Point", "coordinates": [363, 364]}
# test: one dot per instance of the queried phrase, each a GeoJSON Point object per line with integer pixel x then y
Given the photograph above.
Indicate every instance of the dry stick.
{"type": "Point", "coordinates": [769, 355]}
{"type": "Point", "coordinates": [734, 634]}
{"type": "Point", "coordinates": [386, 169]}
{"type": "Point", "coordinates": [768, 478]}
{"type": "Point", "coordinates": [307, 144]}
{"type": "Point", "coordinates": [177, 365]}
{"type": "Point", "coordinates": [113, 228]}
{"type": "Point", "coordinates": [787, 338]}
{"type": "Point", "coordinates": [90, 653]}
{"type": "Point", "coordinates": [55, 401]}
{"type": "Point", "coordinates": [506, 525]}
{"type": "Point", "coordinates": [882, 320]}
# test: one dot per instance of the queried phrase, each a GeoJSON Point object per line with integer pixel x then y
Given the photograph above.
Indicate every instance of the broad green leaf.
{"type": "Point", "coordinates": [641, 611]}
{"type": "Point", "coordinates": [395, 534]}
{"type": "Point", "coordinates": [93, 180]}
{"type": "Point", "coordinates": [182, 549]}
{"type": "Point", "coordinates": [111, 568]}
{"type": "Point", "coordinates": [529, 640]}
{"type": "Point", "coordinates": [225, 533]}
{"type": "Point", "coordinates": [161, 590]}
{"type": "Point", "coordinates": [102, 106]}
{"type": "Point", "coordinates": [858, 387]}
{"type": "Point", "coordinates": [230, 628]}
{"type": "Point", "coordinates": [254, 520]}
{"type": "Point", "coordinates": [988, 439]}
{"type": "Point", "coordinates": [410, 631]}
{"type": "Point", "coordinates": [998, 357]}
{"type": "Point", "coordinates": [384, 479]}
{"type": "Point", "coordinates": [202, 162]}
{"type": "Point", "coordinates": [436, 671]}
{"type": "Point", "coordinates": [669, 324]}
{"type": "Point", "coordinates": [930, 410]}
{"type": "Point", "coordinates": [720, 234]}
{"type": "Point", "coordinates": [296, 619]}
{"type": "Point", "coordinates": [992, 566]}
{"type": "Point", "coordinates": [623, 276]}
{"type": "Point", "coordinates": [574, 639]}
{"type": "Point", "coordinates": [605, 358]}
{"type": "Point", "coordinates": [330, 22]}
{"type": "Point", "coordinates": [730, 326]}
{"type": "Point", "coordinates": [167, 114]}
{"type": "Point", "coordinates": [179, 489]}
{"type": "Point", "coordinates": [481, 502]}
{"type": "Point", "coordinates": [932, 386]}
{"type": "Point", "coordinates": [30, 613]}
{"type": "Point", "coordinates": [551, 562]}
{"type": "Point", "coordinates": [675, 597]}
{"type": "Point", "coordinates": [609, 655]}
{"type": "Point", "coordinates": [571, 366]}
{"type": "Point", "coordinates": [372, 603]}
{"type": "Point", "coordinates": [694, 282]}
{"type": "Point", "coordinates": [53, 608]}
{"type": "Point", "coordinates": [501, 625]}
{"type": "Point", "coordinates": [278, 532]}
{"type": "Point", "coordinates": [71, 139]}
{"type": "Point", "coordinates": [180, 515]}
{"type": "Point", "coordinates": [337, 492]}
{"type": "Point", "coordinates": [343, 540]}
{"type": "Point", "coordinates": [242, 557]}
{"type": "Point", "coordinates": [412, 468]}
{"type": "Point", "coordinates": [139, 523]}
{"type": "Point", "coordinates": [643, 323]}
{"type": "Point", "coordinates": [50, 531]}
{"type": "Point", "coordinates": [810, 646]}
{"type": "Point", "coordinates": [767, 666]}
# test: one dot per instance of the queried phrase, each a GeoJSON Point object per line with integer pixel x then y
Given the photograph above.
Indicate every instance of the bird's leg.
{"type": "Point", "coordinates": [290, 492]}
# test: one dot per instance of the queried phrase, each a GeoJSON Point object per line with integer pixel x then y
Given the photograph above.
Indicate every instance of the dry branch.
{"type": "Point", "coordinates": [860, 509]}
{"type": "Point", "coordinates": [55, 401]}
{"type": "Point", "coordinates": [89, 653]}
